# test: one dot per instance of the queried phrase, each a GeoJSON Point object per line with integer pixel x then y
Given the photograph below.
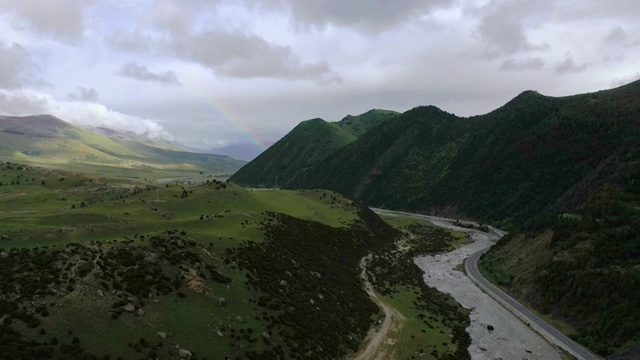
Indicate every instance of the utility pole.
{"type": "Point", "coordinates": [276, 181]}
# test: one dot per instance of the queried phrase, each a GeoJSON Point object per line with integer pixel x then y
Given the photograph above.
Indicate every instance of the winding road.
{"type": "Point", "coordinates": [542, 327]}
{"type": "Point", "coordinates": [531, 320]}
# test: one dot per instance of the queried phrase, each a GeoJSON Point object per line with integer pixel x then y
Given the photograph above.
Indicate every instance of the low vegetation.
{"type": "Point", "coordinates": [435, 325]}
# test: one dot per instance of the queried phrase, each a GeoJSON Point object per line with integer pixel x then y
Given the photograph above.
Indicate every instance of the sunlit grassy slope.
{"type": "Point", "coordinates": [50, 142]}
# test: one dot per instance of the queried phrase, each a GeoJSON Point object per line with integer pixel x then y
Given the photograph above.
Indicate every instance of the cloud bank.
{"type": "Point", "coordinates": [79, 113]}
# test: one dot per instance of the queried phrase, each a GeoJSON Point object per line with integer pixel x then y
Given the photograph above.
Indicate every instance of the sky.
{"type": "Point", "coordinates": [208, 73]}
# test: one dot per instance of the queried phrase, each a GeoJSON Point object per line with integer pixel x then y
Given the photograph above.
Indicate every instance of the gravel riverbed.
{"type": "Point", "coordinates": [510, 339]}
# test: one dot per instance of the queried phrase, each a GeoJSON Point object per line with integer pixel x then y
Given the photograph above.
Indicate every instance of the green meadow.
{"type": "Point", "coordinates": [43, 211]}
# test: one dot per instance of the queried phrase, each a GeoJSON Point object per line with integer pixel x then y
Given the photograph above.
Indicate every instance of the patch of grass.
{"type": "Point", "coordinates": [435, 323]}
{"type": "Point", "coordinates": [415, 226]}
{"type": "Point", "coordinates": [423, 333]}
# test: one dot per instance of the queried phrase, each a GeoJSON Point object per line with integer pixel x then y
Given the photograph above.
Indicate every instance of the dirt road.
{"type": "Point", "coordinates": [378, 337]}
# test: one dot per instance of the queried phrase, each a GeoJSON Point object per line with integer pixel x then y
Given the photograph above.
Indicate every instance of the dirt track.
{"type": "Point", "coordinates": [377, 338]}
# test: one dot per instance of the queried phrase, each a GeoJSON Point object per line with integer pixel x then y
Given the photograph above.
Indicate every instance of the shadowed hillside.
{"type": "Point", "coordinates": [304, 148]}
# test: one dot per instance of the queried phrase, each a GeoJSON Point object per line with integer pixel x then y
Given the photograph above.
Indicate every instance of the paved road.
{"type": "Point", "coordinates": [471, 267]}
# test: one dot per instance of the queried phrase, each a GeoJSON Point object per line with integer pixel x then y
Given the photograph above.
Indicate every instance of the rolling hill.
{"type": "Point", "coordinates": [306, 146]}
{"type": "Point", "coordinates": [560, 172]}
{"type": "Point", "coordinates": [47, 141]}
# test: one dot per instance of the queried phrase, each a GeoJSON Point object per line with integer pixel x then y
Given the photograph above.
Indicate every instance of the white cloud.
{"type": "Point", "coordinates": [80, 113]}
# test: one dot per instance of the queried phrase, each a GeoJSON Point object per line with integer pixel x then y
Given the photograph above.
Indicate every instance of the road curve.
{"type": "Point", "coordinates": [542, 327]}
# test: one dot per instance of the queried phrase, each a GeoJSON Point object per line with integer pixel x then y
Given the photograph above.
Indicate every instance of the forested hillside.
{"type": "Point", "coordinates": [584, 269]}
{"type": "Point", "coordinates": [511, 164]}
{"type": "Point", "coordinates": [304, 148]}
{"type": "Point", "coordinates": [563, 173]}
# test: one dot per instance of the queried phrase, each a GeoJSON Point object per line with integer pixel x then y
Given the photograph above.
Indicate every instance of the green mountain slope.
{"type": "Point", "coordinates": [47, 141]}
{"type": "Point", "coordinates": [305, 147]}
{"type": "Point", "coordinates": [584, 268]}
{"type": "Point", "coordinates": [358, 125]}
{"type": "Point", "coordinates": [561, 172]}
{"type": "Point", "coordinates": [509, 164]}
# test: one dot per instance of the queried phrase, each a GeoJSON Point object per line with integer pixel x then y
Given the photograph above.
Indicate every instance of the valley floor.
{"type": "Point", "coordinates": [510, 339]}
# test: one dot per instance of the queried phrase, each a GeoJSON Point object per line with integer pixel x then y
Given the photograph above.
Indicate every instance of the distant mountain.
{"type": "Point", "coordinates": [562, 174]}
{"type": "Point", "coordinates": [47, 141]}
{"type": "Point", "coordinates": [132, 137]}
{"type": "Point", "coordinates": [306, 146]}
{"type": "Point", "coordinates": [246, 152]}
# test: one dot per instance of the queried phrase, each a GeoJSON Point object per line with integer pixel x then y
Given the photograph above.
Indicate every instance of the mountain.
{"type": "Point", "coordinates": [47, 141]}
{"type": "Point", "coordinates": [360, 124]}
{"type": "Point", "coordinates": [245, 152]}
{"type": "Point", "coordinates": [305, 147]}
{"type": "Point", "coordinates": [561, 173]}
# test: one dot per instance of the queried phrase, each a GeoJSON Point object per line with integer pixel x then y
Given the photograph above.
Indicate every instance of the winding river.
{"type": "Point", "coordinates": [510, 337]}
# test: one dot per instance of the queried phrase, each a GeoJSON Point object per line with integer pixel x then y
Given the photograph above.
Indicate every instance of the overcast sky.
{"type": "Point", "coordinates": [213, 72]}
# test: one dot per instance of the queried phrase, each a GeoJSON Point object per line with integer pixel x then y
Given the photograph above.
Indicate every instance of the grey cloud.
{"type": "Point", "coordinates": [570, 66]}
{"type": "Point", "coordinates": [619, 9]}
{"type": "Point", "coordinates": [365, 15]}
{"type": "Point", "coordinates": [15, 65]}
{"type": "Point", "coordinates": [18, 103]}
{"type": "Point", "coordinates": [524, 64]}
{"type": "Point", "coordinates": [84, 94]}
{"type": "Point", "coordinates": [135, 42]}
{"type": "Point", "coordinates": [230, 53]}
{"type": "Point", "coordinates": [60, 18]}
{"type": "Point", "coordinates": [141, 73]}
{"type": "Point", "coordinates": [616, 34]}
{"type": "Point", "coordinates": [502, 30]}
{"type": "Point", "coordinates": [236, 54]}
{"type": "Point", "coordinates": [172, 16]}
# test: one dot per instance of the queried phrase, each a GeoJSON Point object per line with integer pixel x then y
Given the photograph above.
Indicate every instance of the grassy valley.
{"type": "Point", "coordinates": [47, 141]}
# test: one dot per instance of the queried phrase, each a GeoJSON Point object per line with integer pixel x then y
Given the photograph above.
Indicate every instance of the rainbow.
{"type": "Point", "coordinates": [224, 113]}
{"type": "Point", "coordinates": [221, 111]}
